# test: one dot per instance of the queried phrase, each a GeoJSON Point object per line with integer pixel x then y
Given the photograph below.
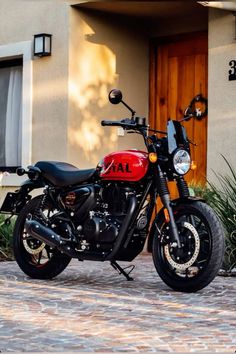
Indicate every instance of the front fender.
{"type": "Point", "coordinates": [15, 201]}
{"type": "Point", "coordinates": [160, 215]}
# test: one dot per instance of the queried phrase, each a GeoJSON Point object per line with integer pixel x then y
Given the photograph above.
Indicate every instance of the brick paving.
{"type": "Point", "coordinates": [90, 308]}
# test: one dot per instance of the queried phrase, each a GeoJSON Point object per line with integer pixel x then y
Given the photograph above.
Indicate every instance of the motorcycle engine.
{"type": "Point", "coordinates": [104, 222]}
{"type": "Point", "coordinates": [98, 212]}
{"type": "Point", "coordinates": [101, 228]}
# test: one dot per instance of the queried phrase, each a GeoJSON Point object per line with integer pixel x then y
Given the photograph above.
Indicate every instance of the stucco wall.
{"type": "Point", "coordinates": [20, 20]}
{"type": "Point", "coordinates": [105, 53]}
{"type": "Point", "coordinates": [222, 92]}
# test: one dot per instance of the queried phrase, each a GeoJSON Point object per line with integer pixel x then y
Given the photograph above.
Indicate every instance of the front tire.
{"type": "Point", "coordinates": [36, 259]}
{"type": "Point", "coordinates": [196, 264]}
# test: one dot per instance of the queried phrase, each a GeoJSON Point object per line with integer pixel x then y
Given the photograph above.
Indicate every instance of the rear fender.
{"type": "Point", "coordinates": [15, 201]}
{"type": "Point", "coordinates": [160, 216]}
{"type": "Point", "coordinates": [29, 185]}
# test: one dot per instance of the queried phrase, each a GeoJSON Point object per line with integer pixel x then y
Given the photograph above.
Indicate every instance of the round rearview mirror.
{"type": "Point", "coordinates": [115, 96]}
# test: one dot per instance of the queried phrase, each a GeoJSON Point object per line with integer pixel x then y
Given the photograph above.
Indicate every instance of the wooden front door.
{"type": "Point", "coordinates": [178, 73]}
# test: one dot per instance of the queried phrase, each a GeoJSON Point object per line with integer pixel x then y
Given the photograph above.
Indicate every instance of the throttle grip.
{"type": "Point", "coordinates": [110, 123]}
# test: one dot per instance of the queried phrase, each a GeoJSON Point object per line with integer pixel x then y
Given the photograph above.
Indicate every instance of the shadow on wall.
{"type": "Point", "coordinates": [102, 56]}
{"type": "Point", "coordinates": [86, 137]}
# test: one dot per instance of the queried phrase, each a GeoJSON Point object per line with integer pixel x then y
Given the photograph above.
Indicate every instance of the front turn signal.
{"type": "Point", "coordinates": [167, 215]}
{"type": "Point", "coordinates": [193, 165]}
{"type": "Point", "coordinates": [152, 157]}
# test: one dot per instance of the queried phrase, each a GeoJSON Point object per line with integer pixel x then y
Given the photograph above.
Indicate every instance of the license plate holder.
{"type": "Point", "coordinates": [12, 204]}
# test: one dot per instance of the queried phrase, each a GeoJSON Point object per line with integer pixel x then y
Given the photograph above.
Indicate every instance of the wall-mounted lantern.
{"type": "Point", "coordinates": [42, 44]}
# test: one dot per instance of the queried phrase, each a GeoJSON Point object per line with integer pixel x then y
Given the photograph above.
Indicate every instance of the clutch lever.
{"type": "Point", "coordinates": [192, 143]}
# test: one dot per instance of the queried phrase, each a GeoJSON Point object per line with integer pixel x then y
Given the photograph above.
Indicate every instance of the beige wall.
{"type": "Point", "coordinates": [20, 20]}
{"type": "Point", "coordinates": [222, 93]}
{"type": "Point", "coordinates": [104, 53]}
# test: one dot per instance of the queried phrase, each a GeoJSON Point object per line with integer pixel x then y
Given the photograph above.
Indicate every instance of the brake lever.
{"type": "Point", "coordinates": [187, 118]}
{"type": "Point", "coordinates": [134, 132]}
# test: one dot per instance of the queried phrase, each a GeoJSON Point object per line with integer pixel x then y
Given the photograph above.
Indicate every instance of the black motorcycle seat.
{"type": "Point", "coordinates": [63, 174]}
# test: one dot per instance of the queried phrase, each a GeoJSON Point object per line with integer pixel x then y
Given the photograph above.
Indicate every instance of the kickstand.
{"type": "Point", "coordinates": [120, 270]}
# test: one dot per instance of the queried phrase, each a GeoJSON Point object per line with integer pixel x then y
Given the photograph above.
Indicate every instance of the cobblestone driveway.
{"type": "Point", "coordinates": [90, 308]}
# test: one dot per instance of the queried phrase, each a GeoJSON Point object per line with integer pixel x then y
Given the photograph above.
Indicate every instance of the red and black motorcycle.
{"type": "Point", "coordinates": [105, 213]}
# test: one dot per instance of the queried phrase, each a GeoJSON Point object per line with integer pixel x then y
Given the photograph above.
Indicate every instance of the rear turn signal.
{"type": "Point", "coordinates": [152, 157]}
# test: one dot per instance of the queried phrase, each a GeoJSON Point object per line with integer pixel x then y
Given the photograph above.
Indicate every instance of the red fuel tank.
{"type": "Point", "coordinates": [127, 165]}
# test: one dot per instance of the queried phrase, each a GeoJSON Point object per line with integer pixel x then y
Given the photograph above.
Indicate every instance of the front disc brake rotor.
{"type": "Point", "coordinates": [193, 257]}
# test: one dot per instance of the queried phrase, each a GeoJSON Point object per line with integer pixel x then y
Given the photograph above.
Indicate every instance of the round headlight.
{"type": "Point", "coordinates": [181, 162]}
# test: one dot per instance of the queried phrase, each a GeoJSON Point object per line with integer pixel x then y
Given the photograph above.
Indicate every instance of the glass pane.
{"type": "Point", "coordinates": [4, 83]}
{"type": "Point", "coordinates": [10, 116]}
{"type": "Point", "coordinates": [38, 45]}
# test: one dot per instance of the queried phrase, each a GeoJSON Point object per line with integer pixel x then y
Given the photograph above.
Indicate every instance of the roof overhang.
{"type": "Point", "coordinates": [226, 5]}
{"type": "Point", "coordinates": [147, 9]}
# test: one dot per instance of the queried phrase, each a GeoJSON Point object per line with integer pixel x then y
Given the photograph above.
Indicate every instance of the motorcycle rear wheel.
{"type": "Point", "coordinates": [36, 259]}
{"type": "Point", "coordinates": [202, 237]}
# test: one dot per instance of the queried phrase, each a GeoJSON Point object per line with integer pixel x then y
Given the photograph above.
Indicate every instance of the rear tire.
{"type": "Point", "coordinates": [202, 237]}
{"type": "Point", "coordinates": [36, 259]}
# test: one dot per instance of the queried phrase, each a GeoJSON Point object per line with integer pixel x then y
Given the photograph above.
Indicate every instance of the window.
{"type": "Point", "coordinates": [10, 114]}
{"type": "Point", "coordinates": [16, 82]}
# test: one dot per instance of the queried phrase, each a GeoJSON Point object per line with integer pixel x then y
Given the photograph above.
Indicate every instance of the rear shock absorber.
{"type": "Point", "coordinates": [38, 214]}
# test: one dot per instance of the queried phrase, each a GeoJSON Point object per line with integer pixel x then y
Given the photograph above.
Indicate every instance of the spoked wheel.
{"type": "Point", "coordinates": [34, 257]}
{"type": "Point", "coordinates": [196, 264]}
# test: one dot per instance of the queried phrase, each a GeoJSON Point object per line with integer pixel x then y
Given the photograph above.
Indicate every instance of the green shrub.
{"type": "Point", "coordinates": [6, 232]}
{"type": "Point", "coordinates": [222, 198]}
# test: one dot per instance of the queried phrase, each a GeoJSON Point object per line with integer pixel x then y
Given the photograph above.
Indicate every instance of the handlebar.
{"type": "Point", "coordinates": [126, 123]}
{"type": "Point", "coordinates": [110, 123]}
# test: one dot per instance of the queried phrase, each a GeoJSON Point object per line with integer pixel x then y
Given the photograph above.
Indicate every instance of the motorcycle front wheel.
{"type": "Point", "coordinates": [35, 258]}
{"type": "Point", "coordinates": [197, 262]}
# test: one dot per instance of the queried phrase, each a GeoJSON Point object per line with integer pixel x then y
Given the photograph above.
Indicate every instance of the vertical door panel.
{"type": "Point", "coordinates": [178, 73]}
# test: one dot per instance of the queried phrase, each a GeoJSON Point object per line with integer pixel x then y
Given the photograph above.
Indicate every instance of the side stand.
{"type": "Point", "coordinates": [120, 270]}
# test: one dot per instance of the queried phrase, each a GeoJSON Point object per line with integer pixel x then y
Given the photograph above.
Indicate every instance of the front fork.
{"type": "Point", "coordinates": [163, 191]}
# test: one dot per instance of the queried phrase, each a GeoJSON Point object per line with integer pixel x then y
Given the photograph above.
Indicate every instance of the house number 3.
{"type": "Point", "coordinates": [232, 71]}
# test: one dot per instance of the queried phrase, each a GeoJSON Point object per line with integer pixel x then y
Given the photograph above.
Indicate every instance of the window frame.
{"type": "Point", "coordinates": [10, 63]}
{"type": "Point", "coordinates": [10, 52]}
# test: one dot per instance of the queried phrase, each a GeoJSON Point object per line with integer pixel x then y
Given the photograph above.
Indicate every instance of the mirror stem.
{"type": "Point", "coordinates": [129, 108]}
